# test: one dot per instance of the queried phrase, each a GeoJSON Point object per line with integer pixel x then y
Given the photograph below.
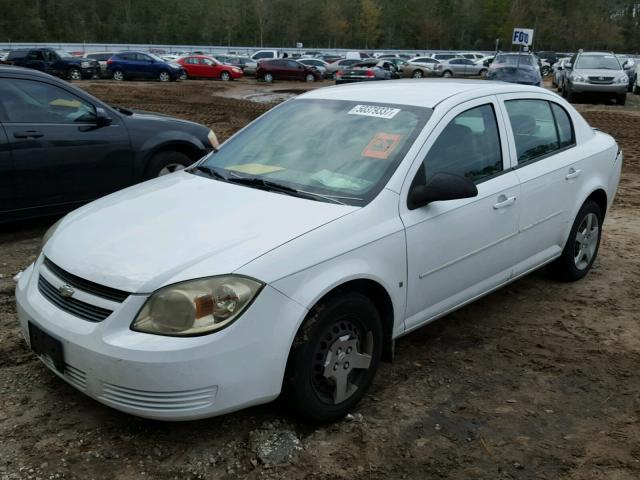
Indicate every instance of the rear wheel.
{"type": "Point", "coordinates": [75, 74]}
{"type": "Point", "coordinates": [447, 74]}
{"type": "Point", "coordinates": [225, 76]}
{"type": "Point", "coordinates": [571, 96]}
{"type": "Point", "coordinates": [582, 246]}
{"type": "Point", "coordinates": [184, 76]}
{"type": "Point", "coordinates": [164, 76]}
{"type": "Point", "coordinates": [334, 357]}
{"type": "Point", "coordinates": [417, 74]}
{"type": "Point", "coordinates": [118, 75]}
{"type": "Point", "coordinates": [164, 163]}
{"type": "Point", "coordinates": [483, 73]}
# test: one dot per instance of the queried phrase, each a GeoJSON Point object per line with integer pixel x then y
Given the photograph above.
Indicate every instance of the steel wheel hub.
{"type": "Point", "coordinates": [586, 241]}
{"type": "Point", "coordinates": [341, 358]}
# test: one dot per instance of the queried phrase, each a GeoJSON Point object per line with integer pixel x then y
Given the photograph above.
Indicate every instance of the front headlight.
{"type": "Point", "coordinates": [213, 140]}
{"type": "Point", "coordinates": [196, 307]}
{"type": "Point", "coordinates": [622, 79]}
{"type": "Point", "coordinates": [85, 64]}
{"type": "Point", "coordinates": [49, 233]}
{"type": "Point", "coordinates": [577, 78]}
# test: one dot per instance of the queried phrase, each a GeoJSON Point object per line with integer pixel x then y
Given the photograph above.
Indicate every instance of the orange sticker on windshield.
{"type": "Point", "coordinates": [382, 145]}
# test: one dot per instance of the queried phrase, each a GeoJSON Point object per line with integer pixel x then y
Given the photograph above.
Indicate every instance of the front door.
{"type": "Point", "coordinates": [60, 155]}
{"type": "Point", "coordinates": [459, 249]}
{"type": "Point", "coordinates": [6, 168]}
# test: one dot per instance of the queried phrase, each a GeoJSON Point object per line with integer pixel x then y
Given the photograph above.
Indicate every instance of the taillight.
{"type": "Point", "coordinates": [109, 62]}
{"type": "Point", "coordinates": [370, 73]}
{"type": "Point", "coordinates": [339, 73]}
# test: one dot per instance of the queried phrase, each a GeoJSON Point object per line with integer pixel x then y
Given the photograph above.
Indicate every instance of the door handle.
{"type": "Point", "coordinates": [504, 202]}
{"type": "Point", "coordinates": [28, 134]}
{"type": "Point", "coordinates": [573, 173]}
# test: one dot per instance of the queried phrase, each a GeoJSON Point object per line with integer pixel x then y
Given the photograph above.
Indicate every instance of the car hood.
{"type": "Point", "coordinates": [594, 72]}
{"type": "Point", "coordinates": [178, 227]}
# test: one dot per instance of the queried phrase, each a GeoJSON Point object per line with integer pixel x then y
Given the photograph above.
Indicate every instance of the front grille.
{"type": "Point", "coordinates": [158, 401]}
{"type": "Point", "coordinates": [71, 305]}
{"type": "Point", "coordinates": [85, 285]}
{"type": "Point", "coordinates": [601, 80]}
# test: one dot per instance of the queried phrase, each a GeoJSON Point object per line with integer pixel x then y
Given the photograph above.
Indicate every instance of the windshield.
{"type": "Point", "coordinates": [597, 62]}
{"type": "Point", "coordinates": [63, 53]}
{"type": "Point", "coordinates": [155, 57]}
{"type": "Point", "coordinates": [513, 60]}
{"type": "Point", "coordinates": [334, 148]}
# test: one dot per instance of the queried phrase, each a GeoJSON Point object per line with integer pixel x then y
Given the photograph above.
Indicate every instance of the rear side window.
{"type": "Point", "coordinates": [17, 54]}
{"type": "Point", "coordinates": [565, 127]}
{"type": "Point", "coordinates": [535, 130]}
{"type": "Point", "coordinates": [126, 56]}
{"type": "Point", "coordinates": [469, 146]}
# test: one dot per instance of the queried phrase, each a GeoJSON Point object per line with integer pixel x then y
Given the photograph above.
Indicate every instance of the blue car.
{"type": "Point", "coordinates": [128, 65]}
{"type": "Point", "coordinates": [515, 68]}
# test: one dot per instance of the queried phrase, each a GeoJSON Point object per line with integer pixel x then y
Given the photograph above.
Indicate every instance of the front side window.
{"type": "Point", "coordinates": [27, 101]}
{"type": "Point", "coordinates": [534, 128]}
{"type": "Point", "coordinates": [343, 149]}
{"type": "Point", "coordinates": [469, 147]}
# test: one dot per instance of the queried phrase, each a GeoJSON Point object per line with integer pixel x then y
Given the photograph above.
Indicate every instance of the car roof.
{"type": "Point", "coordinates": [596, 53]}
{"type": "Point", "coordinates": [420, 93]}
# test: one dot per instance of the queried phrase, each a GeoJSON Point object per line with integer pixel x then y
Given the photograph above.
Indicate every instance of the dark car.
{"type": "Point", "coordinates": [286, 69]}
{"type": "Point", "coordinates": [368, 70]}
{"type": "Point", "coordinates": [515, 68]}
{"type": "Point", "coordinates": [55, 62]}
{"type": "Point", "coordinates": [60, 147]}
{"type": "Point", "coordinates": [549, 56]}
{"type": "Point", "coordinates": [126, 65]}
{"type": "Point", "coordinates": [239, 62]}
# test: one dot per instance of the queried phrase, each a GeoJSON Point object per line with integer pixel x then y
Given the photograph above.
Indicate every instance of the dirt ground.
{"type": "Point", "coordinates": [539, 380]}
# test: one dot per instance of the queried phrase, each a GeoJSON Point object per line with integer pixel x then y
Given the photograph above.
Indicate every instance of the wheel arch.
{"type": "Point", "coordinates": [597, 194]}
{"type": "Point", "coordinates": [378, 295]}
{"type": "Point", "coordinates": [189, 149]}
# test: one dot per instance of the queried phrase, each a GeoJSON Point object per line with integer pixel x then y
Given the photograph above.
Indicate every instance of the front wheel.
{"type": "Point", "coordinates": [582, 246]}
{"type": "Point", "coordinates": [636, 88]}
{"type": "Point", "coordinates": [75, 74]}
{"type": "Point", "coordinates": [225, 76]}
{"type": "Point", "coordinates": [621, 99]}
{"type": "Point", "coordinates": [417, 74]}
{"type": "Point", "coordinates": [164, 77]}
{"type": "Point", "coordinates": [268, 77]}
{"type": "Point", "coordinates": [164, 163]}
{"type": "Point", "coordinates": [334, 357]}
{"type": "Point", "coordinates": [483, 73]}
{"type": "Point", "coordinates": [309, 77]}
{"type": "Point", "coordinates": [571, 96]}
{"type": "Point", "coordinates": [545, 71]}
{"type": "Point", "coordinates": [447, 74]}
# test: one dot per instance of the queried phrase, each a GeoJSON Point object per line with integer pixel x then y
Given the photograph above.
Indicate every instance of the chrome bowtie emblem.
{"type": "Point", "coordinates": [66, 290]}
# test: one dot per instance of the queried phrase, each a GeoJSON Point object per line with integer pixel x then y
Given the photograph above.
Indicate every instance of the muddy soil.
{"type": "Point", "coordinates": [539, 380]}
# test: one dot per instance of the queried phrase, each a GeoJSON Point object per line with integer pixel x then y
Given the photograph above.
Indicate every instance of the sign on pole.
{"type": "Point", "coordinates": [299, 45]}
{"type": "Point", "coordinates": [522, 36]}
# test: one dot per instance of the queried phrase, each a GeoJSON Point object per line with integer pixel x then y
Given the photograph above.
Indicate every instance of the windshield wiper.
{"type": "Point", "coordinates": [278, 187]}
{"type": "Point", "coordinates": [212, 172]}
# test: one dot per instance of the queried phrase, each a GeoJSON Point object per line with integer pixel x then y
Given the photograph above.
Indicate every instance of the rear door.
{"type": "Point", "coordinates": [60, 156]}
{"type": "Point", "coordinates": [550, 172]}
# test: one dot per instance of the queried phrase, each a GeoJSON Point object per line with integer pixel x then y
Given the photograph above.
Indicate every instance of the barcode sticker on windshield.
{"type": "Point", "coordinates": [374, 111]}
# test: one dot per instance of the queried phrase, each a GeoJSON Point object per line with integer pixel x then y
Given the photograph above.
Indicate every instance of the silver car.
{"type": "Point", "coordinates": [341, 65]}
{"type": "Point", "coordinates": [101, 58]}
{"type": "Point", "coordinates": [320, 65]}
{"type": "Point", "coordinates": [595, 72]}
{"type": "Point", "coordinates": [460, 67]}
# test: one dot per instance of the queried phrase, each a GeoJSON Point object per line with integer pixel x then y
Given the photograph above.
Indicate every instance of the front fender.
{"type": "Point", "coordinates": [164, 140]}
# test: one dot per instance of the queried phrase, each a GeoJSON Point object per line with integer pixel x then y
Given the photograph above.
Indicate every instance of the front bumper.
{"type": "Point", "coordinates": [90, 72]}
{"type": "Point", "coordinates": [612, 89]}
{"type": "Point", "coordinates": [167, 378]}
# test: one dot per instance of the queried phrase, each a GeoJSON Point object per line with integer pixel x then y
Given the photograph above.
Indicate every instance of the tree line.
{"type": "Point", "coordinates": [563, 25]}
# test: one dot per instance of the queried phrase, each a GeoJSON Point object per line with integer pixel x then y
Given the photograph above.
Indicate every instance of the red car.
{"type": "Point", "coordinates": [202, 66]}
{"type": "Point", "coordinates": [285, 69]}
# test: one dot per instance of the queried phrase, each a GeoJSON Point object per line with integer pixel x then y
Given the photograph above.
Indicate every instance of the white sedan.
{"type": "Point", "coordinates": [290, 260]}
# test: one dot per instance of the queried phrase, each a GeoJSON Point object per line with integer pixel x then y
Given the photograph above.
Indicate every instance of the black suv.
{"type": "Point", "coordinates": [55, 62]}
{"type": "Point", "coordinates": [60, 147]}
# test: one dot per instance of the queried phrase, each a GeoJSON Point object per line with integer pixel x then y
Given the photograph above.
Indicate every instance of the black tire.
{"type": "Point", "coordinates": [118, 75]}
{"type": "Point", "coordinates": [268, 77]}
{"type": "Point", "coordinates": [545, 71]}
{"type": "Point", "coordinates": [164, 76]}
{"type": "Point", "coordinates": [74, 74]}
{"type": "Point", "coordinates": [166, 162]}
{"type": "Point", "coordinates": [225, 76]}
{"type": "Point", "coordinates": [564, 268]}
{"type": "Point", "coordinates": [483, 73]}
{"type": "Point", "coordinates": [307, 388]}
{"type": "Point", "coordinates": [447, 74]}
{"type": "Point", "coordinates": [417, 74]}
{"type": "Point", "coordinates": [636, 89]}
{"type": "Point", "coordinates": [309, 77]}
{"type": "Point", "coordinates": [621, 99]}
{"type": "Point", "coordinates": [571, 96]}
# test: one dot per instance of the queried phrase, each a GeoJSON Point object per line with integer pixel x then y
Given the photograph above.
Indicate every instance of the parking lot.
{"type": "Point", "coordinates": [538, 380]}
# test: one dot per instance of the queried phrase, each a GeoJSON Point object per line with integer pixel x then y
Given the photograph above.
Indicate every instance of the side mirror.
{"type": "Point", "coordinates": [568, 66]}
{"type": "Point", "coordinates": [625, 64]}
{"type": "Point", "coordinates": [443, 186]}
{"type": "Point", "coordinates": [102, 119]}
